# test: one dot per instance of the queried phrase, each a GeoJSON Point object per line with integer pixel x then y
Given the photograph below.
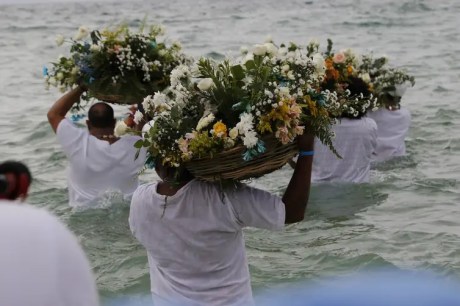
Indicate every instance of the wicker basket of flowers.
{"type": "Point", "coordinates": [116, 65]}
{"type": "Point", "coordinates": [235, 120]}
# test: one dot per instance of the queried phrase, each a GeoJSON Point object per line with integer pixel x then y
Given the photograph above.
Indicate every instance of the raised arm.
{"type": "Point", "coordinates": [60, 108]}
{"type": "Point", "coordinates": [296, 195]}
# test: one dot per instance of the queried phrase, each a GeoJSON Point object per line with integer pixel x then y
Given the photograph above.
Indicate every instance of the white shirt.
{"type": "Point", "coordinates": [195, 243]}
{"type": "Point", "coordinates": [393, 127]}
{"type": "Point", "coordinates": [41, 262]}
{"type": "Point", "coordinates": [96, 166]}
{"type": "Point", "coordinates": [355, 141]}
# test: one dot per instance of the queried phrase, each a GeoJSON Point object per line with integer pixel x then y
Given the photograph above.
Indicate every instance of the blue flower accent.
{"type": "Point", "coordinates": [261, 147]}
{"type": "Point", "coordinates": [77, 117]}
{"type": "Point", "coordinates": [91, 80]}
{"type": "Point", "coordinates": [45, 71]}
{"type": "Point", "coordinates": [248, 155]}
{"type": "Point", "coordinates": [154, 44]}
{"type": "Point", "coordinates": [150, 162]}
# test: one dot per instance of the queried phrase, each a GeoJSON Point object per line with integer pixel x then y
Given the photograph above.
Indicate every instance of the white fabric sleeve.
{"type": "Point", "coordinates": [257, 208]}
{"type": "Point", "coordinates": [70, 136]}
{"type": "Point", "coordinates": [76, 284]}
{"type": "Point", "coordinates": [373, 135]}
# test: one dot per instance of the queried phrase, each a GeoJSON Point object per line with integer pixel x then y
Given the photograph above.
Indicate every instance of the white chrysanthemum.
{"type": "Point", "coordinates": [59, 40]}
{"type": "Point", "coordinates": [319, 63]}
{"type": "Point", "coordinates": [250, 139]}
{"type": "Point", "coordinates": [259, 50]}
{"type": "Point", "coordinates": [138, 116]}
{"type": "Point", "coordinates": [204, 122]}
{"type": "Point", "coordinates": [271, 48]}
{"type": "Point", "coordinates": [159, 100]}
{"type": "Point", "coordinates": [246, 123]}
{"type": "Point", "coordinates": [82, 33]}
{"type": "Point", "coordinates": [120, 128]}
{"type": "Point", "coordinates": [205, 84]}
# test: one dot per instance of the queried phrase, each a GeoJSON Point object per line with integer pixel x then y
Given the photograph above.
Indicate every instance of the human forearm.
{"type": "Point", "coordinates": [296, 195]}
{"type": "Point", "coordinates": [60, 108]}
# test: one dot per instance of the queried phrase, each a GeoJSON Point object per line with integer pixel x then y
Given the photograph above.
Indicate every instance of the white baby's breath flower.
{"type": "Point", "coordinates": [59, 40]}
{"type": "Point", "coordinates": [82, 33]}
{"type": "Point", "coordinates": [259, 50]}
{"type": "Point", "coordinates": [120, 128]}
{"type": "Point", "coordinates": [205, 84]}
{"type": "Point", "coordinates": [138, 116]}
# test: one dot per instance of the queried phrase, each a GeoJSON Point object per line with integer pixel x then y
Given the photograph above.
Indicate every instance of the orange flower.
{"type": "Point", "coordinates": [349, 70]}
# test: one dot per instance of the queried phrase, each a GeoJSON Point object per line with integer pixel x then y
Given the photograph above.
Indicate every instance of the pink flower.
{"type": "Point", "coordinates": [183, 145]}
{"type": "Point", "coordinates": [283, 135]}
{"type": "Point", "coordinates": [299, 130]}
{"type": "Point", "coordinates": [295, 111]}
{"type": "Point", "coordinates": [339, 58]}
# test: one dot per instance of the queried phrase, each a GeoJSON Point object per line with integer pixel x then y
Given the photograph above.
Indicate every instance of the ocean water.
{"type": "Point", "coordinates": [406, 218]}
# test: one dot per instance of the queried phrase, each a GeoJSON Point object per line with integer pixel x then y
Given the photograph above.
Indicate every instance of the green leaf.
{"type": "Point", "coordinates": [238, 72]}
{"type": "Point", "coordinates": [250, 64]}
{"type": "Point", "coordinates": [139, 144]}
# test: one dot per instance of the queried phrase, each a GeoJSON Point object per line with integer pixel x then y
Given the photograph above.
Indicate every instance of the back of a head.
{"type": "Point", "coordinates": [101, 115]}
{"type": "Point", "coordinates": [20, 183]}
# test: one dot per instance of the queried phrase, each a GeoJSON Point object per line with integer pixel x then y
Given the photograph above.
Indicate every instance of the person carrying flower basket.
{"type": "Point", "coordinates": [193, 231]}
{"type": "Point", "coordinates": [393, 120]}
{"type": "Point", "coordinates": [355, 135]}
{"type": "Point", "coordinates": [99, 161]}
{"type": "Point", "coordinates": [218, 124]}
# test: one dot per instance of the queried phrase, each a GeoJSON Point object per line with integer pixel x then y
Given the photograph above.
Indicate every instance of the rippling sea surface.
{"type": "Point", "coordinates": [407, 217]}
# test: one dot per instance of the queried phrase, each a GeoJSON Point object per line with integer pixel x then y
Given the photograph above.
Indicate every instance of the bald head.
{"type": "Point", "coordinates": [100, 115]}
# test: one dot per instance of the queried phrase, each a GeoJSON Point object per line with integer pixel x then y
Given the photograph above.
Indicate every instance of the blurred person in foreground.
{"type": "Point", "coordinates": [393, 122]}
{"type": "Point", "coordinates": [99, 161]}
{"type": "Point", "coordinates": [193, 231]}
{"type": "Point", "coordinates": [41, 262]}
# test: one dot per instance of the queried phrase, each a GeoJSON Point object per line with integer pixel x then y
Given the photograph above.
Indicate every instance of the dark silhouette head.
{"type": "Point", "coordinates": [14, 181]}
{"type": "Point", "coordinates": [357, 86]}
{"type": "Point", "coordinates": [101, 116]}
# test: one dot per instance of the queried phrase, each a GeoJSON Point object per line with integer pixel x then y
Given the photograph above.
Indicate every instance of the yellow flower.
{"type": "Point", "coordinates": [264, 125]}
{"type": "Point", "coordinates": [233, 133]}
{"type": "Point", "coordinates": [220, 129]}
{"type": "Point", "coordinates": [349, 70]}
{"type": "Point", "coordinates": [311, 106]}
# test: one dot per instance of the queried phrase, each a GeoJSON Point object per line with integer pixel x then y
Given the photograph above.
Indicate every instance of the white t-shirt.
{"type": "Point", "coordinates": [195, 243]}
{"type": "Point", "coordinates": [393, 127]}
{"type": "Point", "coordinates": [41, 262]}
{"type": "Point", "coordinates": [96, 166]}
{"type": "Point", "coordinates": [355, 141]}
